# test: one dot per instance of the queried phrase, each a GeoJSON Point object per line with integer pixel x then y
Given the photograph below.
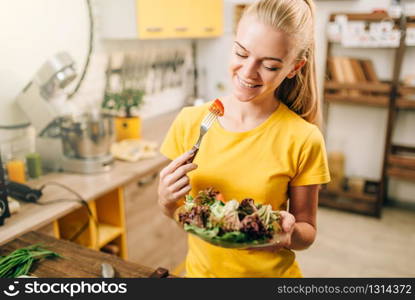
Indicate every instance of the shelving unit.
{"type": "Point", "coordinates": [105, 226]}
{"type": "Point", "coordinates": [398, 160]}
{"type": "Point", "coordinates": [367, 100]}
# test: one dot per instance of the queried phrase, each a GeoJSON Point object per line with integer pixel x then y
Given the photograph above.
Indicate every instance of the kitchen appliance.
{"type": "Point", "coordinates": [86, 142]}
{"type": "Point", "coordinates": [4, 205]}
{"type": "Point", "coordinates": [66, 142]}
{"type": "Point", "coordinates": [22, 192]}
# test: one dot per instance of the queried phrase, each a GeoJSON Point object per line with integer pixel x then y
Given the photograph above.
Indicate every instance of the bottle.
{"type": "Point", "coordinates": [34, 165]}
{"type": "Point", "coordinates": [16, 170]}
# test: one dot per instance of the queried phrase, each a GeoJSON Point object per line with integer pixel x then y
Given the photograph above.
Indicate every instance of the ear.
{"type": "Point", "coordinates": [297, 68]}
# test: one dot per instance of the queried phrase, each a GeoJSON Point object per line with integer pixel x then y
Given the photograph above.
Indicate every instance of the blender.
{"type": "Point", "coordinates": [73, 143]}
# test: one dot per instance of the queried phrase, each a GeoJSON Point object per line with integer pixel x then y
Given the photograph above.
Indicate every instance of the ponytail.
{"type": "Point", "coordinates": [300, 92]}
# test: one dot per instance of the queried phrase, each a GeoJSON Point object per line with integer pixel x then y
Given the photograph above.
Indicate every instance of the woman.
{"type": "Point", "coordinates": [266, 146]}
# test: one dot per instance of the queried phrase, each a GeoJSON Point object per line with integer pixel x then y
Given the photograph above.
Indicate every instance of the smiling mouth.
{"type": "Point", "coordinates": [245, 84]}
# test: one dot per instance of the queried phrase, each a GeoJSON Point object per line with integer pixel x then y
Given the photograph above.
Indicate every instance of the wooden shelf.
{"type": "Point", "coordinates": [352, 195]}
{"type": "Point", "coordinates": [371, 17]}
{"type": "Point", "coordinates": [403, 103]}
{"type": "Point", "coordinates": [403, 149]}
{"type": "Point", "coordinates": [348, 204]}
{"type": "Point", "coordinates": [405, 89]}
{"type": "Point", "coordinates": [401, 164]}
{"type": "Point", "coordinates": [407, 162]}
{"type": "Point", "coordinates": [379, 101]}
{"type": "Point", "coordinates": [366, 100]}
{"type": "Point", "coordinates": [368, 87]}
{"type": "Point", "coordinates": [401, 173]}
{"type": "Point", "coordinates": [107, 233]}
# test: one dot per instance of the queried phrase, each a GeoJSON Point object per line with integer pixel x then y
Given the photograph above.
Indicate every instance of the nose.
{"type": "Point", "coordinates": [249, 69]}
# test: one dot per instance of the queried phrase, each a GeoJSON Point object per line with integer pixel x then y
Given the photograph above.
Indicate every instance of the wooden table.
{"type": "Point", "coordinates": [77, 261]}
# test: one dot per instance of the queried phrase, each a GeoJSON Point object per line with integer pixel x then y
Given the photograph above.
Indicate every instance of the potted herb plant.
{"type": "Point", "coordinates": [125, 104]}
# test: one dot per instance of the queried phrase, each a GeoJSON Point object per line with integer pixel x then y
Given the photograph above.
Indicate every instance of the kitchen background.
{"type": "Point", "coordinates": [164, 68]}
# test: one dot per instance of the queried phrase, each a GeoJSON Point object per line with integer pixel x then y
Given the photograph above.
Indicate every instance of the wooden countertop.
{"type": "Point", "coordinates": [91, 186]}
{"type": "Point", "coordinates": [76, 261]}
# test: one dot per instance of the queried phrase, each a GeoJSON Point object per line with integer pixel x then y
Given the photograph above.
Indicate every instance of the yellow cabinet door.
{"type": "Point", "coordinates": [208, 21]}
{"type": "Point", "coordinates": [163, 19]}
{"type": "Point", "coordinates": [179, 18]}
{"type": "Point", "coordinates": [152, 19]}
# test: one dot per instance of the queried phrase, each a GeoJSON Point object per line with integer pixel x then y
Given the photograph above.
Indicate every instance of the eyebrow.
{"type": "Point", "coordinates": [265, 58]}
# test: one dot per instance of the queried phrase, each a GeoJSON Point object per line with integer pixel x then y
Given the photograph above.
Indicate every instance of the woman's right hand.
{"type": "Point", "coordinates": [174, 183]}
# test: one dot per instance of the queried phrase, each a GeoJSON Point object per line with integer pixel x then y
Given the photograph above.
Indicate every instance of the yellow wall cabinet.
{"type": "Point", "coordinates": [179, 18]}
{"type": "Point", "coordinates": [161, 19]}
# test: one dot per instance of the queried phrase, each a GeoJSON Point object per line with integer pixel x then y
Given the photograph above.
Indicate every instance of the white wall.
{"type": "Point", "coordinates": [31, 32]}
{"type": "Point", "coordinates": [360, 131]}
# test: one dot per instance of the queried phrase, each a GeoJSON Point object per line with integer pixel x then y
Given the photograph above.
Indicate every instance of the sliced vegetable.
{"type": "Point", "coordinates": [217, 108]}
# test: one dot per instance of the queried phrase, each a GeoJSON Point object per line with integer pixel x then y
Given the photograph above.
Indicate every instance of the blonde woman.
{"type": "Point", "coordinates": [267, 146]}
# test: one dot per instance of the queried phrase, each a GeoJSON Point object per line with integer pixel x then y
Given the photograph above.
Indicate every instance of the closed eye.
{"type": "Point", "coordinates": [241, 55]}
{"type": "Point", "coordinates": [272, 69]}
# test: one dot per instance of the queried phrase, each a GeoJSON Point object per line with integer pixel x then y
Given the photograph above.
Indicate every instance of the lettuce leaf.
{"type": "Point", "coordinates": [207, 233]}
{"type": "Point", "coordinates": [233, 237]}
{"type": "Point", "coordinates": [189, 203]}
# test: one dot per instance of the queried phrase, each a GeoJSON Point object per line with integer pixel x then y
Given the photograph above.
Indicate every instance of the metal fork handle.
{"type": "Point", "coordinates": [195, 148]}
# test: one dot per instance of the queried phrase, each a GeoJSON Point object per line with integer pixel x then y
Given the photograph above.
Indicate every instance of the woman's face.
{"type": "Point", "coordinates": [261, 60]}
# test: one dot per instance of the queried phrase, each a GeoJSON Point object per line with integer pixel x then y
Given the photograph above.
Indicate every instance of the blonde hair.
{"type": "Point", "coordinates": [296, 18]}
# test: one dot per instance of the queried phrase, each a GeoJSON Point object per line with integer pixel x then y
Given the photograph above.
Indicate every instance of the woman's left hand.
{"type": "Point", "coordinates": [284, 238]}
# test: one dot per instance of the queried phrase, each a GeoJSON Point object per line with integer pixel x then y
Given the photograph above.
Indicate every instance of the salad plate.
{"type": "Point", "coordinates": [230, 224]}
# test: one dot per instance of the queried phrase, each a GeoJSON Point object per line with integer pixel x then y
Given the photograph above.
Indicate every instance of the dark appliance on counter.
{"type": "Point", "coordinates": [4, 204]}
{"type": "Point", "coordinates": [23, 192]}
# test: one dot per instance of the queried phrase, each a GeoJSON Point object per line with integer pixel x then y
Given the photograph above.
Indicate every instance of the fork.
{"type": "Point", "coordinates": [215, 110]}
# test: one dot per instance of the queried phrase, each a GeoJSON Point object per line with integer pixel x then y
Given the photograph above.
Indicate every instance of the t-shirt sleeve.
{"type": "Point", "coordinates": [173, 146]}
{"type": "Point", "coordinates": [312, 164]}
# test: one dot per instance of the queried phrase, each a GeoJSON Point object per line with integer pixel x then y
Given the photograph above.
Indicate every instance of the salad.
{"type": "Point", "coordinates": [228, 224]}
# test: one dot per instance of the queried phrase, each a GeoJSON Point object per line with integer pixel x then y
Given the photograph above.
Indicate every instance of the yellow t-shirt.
{"type": "Point", "coordinates": [261, 163]}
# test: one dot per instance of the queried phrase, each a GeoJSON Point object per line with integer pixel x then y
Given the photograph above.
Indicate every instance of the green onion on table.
{"type": "Point", "coordinates": [19, 262]}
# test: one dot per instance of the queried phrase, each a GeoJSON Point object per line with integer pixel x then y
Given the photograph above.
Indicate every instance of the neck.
{"type": "Point", "coordinates": [251, 110]}
{"type": "Point", "coordinates": [242, 116]}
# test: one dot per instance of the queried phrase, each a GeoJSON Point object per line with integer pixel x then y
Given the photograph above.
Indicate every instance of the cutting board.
{"type": "Point", "coordinates": [78, 261]}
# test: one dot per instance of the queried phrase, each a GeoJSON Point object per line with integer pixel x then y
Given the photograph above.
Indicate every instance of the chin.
{"type": "Point", "coordinates": [244, 94]}
{"type": "Point", "coordinates": [243, 97]}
